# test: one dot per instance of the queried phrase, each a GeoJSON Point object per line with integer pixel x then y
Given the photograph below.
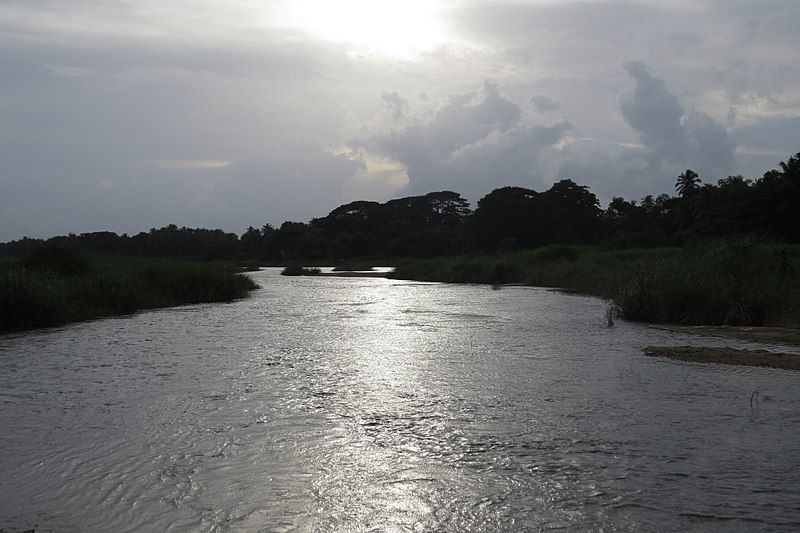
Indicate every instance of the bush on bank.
{"type": "Point", "coordinates": [55, 285]}
{"type": "Point", "coordinates": [713, 283]}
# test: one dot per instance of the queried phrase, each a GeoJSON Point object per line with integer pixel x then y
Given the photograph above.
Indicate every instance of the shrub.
{"type": "Point", "coordinates": [55, 286]}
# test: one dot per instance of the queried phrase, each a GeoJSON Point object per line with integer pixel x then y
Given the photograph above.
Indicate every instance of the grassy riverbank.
{"type": "Point", "coordinates": [710, 283]}
{"type": "Point", "coordinates": [56, 285]}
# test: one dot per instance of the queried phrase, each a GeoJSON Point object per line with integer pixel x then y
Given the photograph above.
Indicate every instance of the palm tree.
{"type": "Point", "coordinates": [687, 182]}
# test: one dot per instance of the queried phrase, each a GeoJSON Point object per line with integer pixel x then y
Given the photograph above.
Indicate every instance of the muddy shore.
{"type": "Point", "coordinates": [757, 334]}
{"type": "Point", "coordinates": [728, 356]}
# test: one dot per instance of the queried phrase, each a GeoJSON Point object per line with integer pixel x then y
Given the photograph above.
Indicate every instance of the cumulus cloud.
{"type": "Point", "coordinates": [120, 115]}
{"type": "Point", "coordinates": [544, 104]}
{"type": "Point", "coordinates": [652, 110]}
{"type": "Point", "coordinates": [671, 138]}
{"type": "Point", "coordinates": [476, 141]}
{"type": "Point", "coordinates": [472, 143]}
{"type": "Point", "coordinates": [669, 132]}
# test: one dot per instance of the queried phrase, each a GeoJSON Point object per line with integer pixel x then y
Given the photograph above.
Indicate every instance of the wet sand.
{"type": "Point", "coordinates": [728, 356]}
{"type": "Point", "coordinates": [773, 335]}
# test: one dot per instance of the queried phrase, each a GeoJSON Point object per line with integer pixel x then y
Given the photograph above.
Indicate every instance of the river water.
{"type": "Point", "coordinates": [373, 404]}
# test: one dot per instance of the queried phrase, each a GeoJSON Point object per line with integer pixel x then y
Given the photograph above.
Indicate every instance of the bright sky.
{"type": "Point", "coordinates": [125, 115]}
{"type": "Point", "coordinates": [389, 28]}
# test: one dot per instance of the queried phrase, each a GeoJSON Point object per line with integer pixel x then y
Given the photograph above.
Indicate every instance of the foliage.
{"type": "Point", "coordinates": [687, 182]}
{"type": "Point", "coordinates": [506, 220]}
{"type": "Point", "coordinates": [55, 285]}
{"type": "Point", "coordinates": [719, 284]}
{"type": "Point", "coordinates": [710, 282]}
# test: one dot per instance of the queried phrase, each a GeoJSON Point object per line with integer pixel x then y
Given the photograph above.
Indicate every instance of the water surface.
{"type": "Point", "coordinates": [373, 404]}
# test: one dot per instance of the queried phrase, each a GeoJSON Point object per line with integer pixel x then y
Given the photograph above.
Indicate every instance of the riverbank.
{"type": "Point", "coordinates": [727, 356]}
{"type": "Point", "coordinates": [789, 336]}
{"type": "Point", "coordinates": [53, 286]}
{"type": "Point", "coordinates": [717, 283]}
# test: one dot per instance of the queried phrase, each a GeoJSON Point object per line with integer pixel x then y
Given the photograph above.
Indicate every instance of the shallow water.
{"type": "Point", "coordinates": [373, 404]}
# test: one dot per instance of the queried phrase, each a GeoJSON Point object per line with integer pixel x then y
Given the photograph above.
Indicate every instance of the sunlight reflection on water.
{"type": "Point", "coordinates": [373, 404]}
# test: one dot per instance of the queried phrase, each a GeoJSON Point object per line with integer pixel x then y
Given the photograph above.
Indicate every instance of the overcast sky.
{"type": "Point", "coordinates": [129, 114]}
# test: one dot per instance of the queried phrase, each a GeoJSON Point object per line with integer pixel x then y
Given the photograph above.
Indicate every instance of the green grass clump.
{"type": "Point", "coordinates": [726, 284]}
{"type": "Point", "coordinates": [297, 270]}
{"type": "Point", "coordinates": [56, 285]}
{"type": "Point", "coordinates": [711, 283]}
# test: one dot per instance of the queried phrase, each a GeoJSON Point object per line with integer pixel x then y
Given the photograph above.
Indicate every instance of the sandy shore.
{"type": "Point", "coordinates": [776, 335]}
{"type": "Point", "coordinates": [728, 356]}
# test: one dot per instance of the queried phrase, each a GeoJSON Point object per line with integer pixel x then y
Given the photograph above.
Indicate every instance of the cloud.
{"type": "Point", "coordinates": [115, 114]}
{"type": "Point", "coordinates": [720, 52]}
{"type": "Point", "coordinates": [471, 143]}
{"type": "Point", "coordinates": [668, 132]}
{"type": "Point", "coordinates": [779, 135]}
{"type": "Point", "coordinates": [282, 184]}
{"type": "Point", "coordinates": [652, 110]}
{"type": "Point", "coordinates": [671, 139]}
{"type": "Point", "coordinates": [396, 104]}
{"type": "Point", "coordinates": [476, 141]}
{"type": "Point", "coordinates": [544, 104]}
{"type": "Point", "coordinates": [293, 181]}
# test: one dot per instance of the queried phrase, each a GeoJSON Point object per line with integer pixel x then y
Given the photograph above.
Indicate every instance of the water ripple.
{"type": "Point", "coordinates": [371, 404]}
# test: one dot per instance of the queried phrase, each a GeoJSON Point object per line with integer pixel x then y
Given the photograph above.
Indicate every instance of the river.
{"type": "Point", "coordinates": [374, 404]}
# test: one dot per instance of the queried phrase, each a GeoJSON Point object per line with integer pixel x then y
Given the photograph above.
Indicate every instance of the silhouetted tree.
{"type": "Point", "coordinates": [506, 219]}
{"type": "Point", "coordinates": [687, 182]}
{"type": "Point", "coordinates": [507, 213]}
{"type": "Point", "coordinates": [572, 213]}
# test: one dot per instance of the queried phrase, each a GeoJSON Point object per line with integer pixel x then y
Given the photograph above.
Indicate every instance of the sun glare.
{"type": "Point", "coordinates": [385, 27]}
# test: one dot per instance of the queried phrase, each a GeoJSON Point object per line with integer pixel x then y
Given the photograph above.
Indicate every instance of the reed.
{"type": "Point", "coordinates": [55, 285]}
{"type": "Point", "coordinates": [713, 283]}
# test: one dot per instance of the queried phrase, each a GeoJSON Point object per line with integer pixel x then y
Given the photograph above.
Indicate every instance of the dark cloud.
{"type": "Point", "coordinates": [668, 132]}
{"type": "Point", "coordinates": [652, 110]}
{"type": "Point", "coordinates": [544, 104]}
{"type": "Point", "coordinates": [396, 104]}
{"type": "Point", "coordinates": [780, 135]}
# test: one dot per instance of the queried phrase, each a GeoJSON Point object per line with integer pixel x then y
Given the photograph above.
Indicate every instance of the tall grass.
{"type": "Point", "coordinates": [56, 285]}
{"type": "Point", "coordinates": [713, 283]}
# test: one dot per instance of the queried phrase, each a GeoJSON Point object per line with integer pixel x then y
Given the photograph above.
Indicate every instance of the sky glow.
{"type": "Point", "coordinates": [388, 28]}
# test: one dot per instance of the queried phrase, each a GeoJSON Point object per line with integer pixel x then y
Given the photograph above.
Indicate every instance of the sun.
{"type": "Point", "coordinates": [398, 28]}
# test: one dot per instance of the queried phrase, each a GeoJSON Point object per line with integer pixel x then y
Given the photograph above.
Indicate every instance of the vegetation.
{"type": "Point", "coordinates": [710, 282]}
{"type": "Point", "coordinates": [506, 220]}
{"type": "Point", "coordinates": [642, 254]}
{"type": "Point", "coordinates": [53, 285]}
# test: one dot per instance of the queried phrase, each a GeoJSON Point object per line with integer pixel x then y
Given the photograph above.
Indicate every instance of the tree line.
{"type": "Point", "coordinates": [506, 219]}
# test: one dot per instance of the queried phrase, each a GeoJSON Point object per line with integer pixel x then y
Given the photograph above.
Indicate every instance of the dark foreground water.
{"type": "Point", "coordinates": [371, 404]}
